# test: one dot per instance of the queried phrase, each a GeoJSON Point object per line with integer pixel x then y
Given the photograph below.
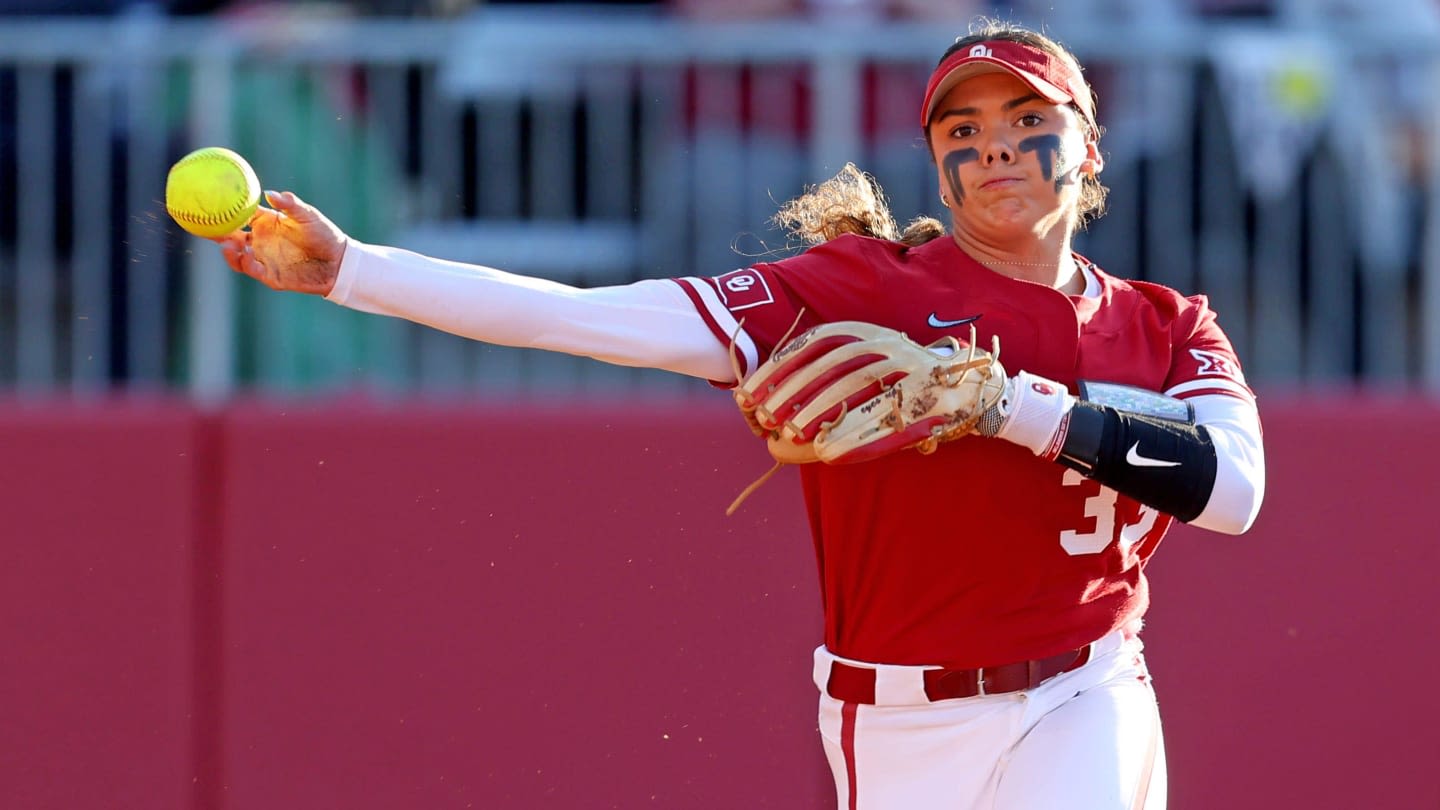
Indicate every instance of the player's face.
{"type": "Point", "coordinates": [1009, 162]}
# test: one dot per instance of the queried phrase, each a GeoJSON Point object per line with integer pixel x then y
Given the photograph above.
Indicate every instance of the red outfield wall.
{"type": "Point", "coordinates": [341, 605]}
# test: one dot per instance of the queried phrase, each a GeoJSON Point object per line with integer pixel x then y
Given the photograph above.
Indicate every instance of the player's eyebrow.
{"type": "Point", "coordinates": [1021, 101]}
{"type": "Point", "coordinates": [1007, 106]}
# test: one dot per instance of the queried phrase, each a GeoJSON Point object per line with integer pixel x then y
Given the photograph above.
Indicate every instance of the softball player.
{"type": "Point", "coordinates": [982, 602]}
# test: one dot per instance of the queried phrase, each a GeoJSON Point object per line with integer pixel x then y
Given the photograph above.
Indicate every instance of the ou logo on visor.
{"type": "Point", "coordinates": [981, 50]}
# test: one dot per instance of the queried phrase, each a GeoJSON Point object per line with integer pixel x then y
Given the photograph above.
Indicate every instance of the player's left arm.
{"type": "Point", "coordinates": [1194, 451]}
{"type": "Point", "coordinates": [1200, 459]}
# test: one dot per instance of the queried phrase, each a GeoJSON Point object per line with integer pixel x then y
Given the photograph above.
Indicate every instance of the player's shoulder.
{"type": "Point", "coordinates": [851, 246]}
{"type": "Point", "coordinates": [1203, 359]}
{"type": "Point", "coordinates": [1168, 305]}
{"type": "Point", "coordinates": [849, 260]}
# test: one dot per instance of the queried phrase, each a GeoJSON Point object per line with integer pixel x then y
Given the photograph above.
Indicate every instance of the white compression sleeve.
{"type": "Point", "coordinates": [649, 323]}
{"type": "Point", "coordinates": [1234, 427]}
{"type": "Point", "coordinates": [1033, 415]}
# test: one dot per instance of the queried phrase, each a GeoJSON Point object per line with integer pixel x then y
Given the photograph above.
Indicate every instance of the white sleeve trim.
{"type": "Point", "coordinates": [1210, 384]}
{"type": "Point", "coordinates": [726, 322]}
{"type": "Point", "coordinates": [650, 323]}
{"type": "Point", "coordinates": [1234, 428]}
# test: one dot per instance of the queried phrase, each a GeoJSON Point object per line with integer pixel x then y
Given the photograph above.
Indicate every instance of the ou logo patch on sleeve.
{"type": "Point", "coordinates": [742, 289]}
{"type": "Point", "coordinates": [1216, 363]}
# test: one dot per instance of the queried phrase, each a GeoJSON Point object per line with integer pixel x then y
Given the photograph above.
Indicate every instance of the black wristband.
{"type": "Point", "coordinates": [1086, 431]}
{"type": "Point", "coordinates": [1161, 463]}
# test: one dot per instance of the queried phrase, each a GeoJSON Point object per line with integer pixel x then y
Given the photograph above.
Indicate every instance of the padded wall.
{"type": "Point", "coordinates": [352, 605]}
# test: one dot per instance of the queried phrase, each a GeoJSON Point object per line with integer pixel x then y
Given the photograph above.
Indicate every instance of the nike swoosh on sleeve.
{"type": "Point", "coordinates": [1134, 458]}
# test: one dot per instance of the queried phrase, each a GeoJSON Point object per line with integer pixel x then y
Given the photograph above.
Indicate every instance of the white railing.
{"type": "Point", "coordinates": [601, 148]}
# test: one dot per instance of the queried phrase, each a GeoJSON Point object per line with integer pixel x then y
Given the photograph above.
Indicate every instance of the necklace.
{"type": "Point", "coordinates": [1024, 264]}
{"type": "Point", "coordinates": [1079, 272]}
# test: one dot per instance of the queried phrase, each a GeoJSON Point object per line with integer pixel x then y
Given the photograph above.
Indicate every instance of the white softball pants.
{"type": "Point", "coordinates": [1088, 739]}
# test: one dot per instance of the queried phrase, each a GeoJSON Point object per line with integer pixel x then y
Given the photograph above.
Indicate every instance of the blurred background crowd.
{"type": "Point", "coordinates": [947, 10]}
{"type": "Point", "coordinates": [1275, 154]}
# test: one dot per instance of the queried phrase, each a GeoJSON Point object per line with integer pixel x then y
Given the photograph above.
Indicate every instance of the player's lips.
{"type": "Point", "coordinates": [1000, 182]}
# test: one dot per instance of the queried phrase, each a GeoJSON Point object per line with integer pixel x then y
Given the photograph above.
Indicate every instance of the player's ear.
{"type": "Point", "coordinates": [1094, 162]}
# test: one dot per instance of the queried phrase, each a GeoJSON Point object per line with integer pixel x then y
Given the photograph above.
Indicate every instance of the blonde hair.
{"type": "Point", "coordinates": [850, 202]}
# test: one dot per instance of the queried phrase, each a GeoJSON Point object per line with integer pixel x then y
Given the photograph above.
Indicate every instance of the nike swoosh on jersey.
{"type": "Point", "coordinates": [935, 321]}
{"type": "Point", "coordinates": [1137, 460]}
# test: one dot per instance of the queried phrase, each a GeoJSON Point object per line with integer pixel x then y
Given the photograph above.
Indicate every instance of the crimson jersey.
{"type": "Point", "coordinates": [980, 553]}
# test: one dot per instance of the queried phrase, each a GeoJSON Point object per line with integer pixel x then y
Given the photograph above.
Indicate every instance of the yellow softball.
{"type": "Point", "coordinates": [211, 192]}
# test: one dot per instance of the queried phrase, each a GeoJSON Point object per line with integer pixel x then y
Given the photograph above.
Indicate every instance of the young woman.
{"type": "Point", "coordinates": [982, 602]}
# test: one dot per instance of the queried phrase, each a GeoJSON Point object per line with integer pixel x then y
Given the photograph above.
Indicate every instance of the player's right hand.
{"type": "Point", "coordinates": [290, 246]}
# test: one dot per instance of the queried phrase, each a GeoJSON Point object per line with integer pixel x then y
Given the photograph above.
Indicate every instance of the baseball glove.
{"type": "Point", "coordinates": [850, 391]}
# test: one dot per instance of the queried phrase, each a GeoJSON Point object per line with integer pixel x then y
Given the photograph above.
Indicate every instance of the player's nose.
{"type": "Point", "coordinates": [997, 150]}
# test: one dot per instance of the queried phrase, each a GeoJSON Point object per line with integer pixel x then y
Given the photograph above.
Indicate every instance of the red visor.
{"type": "Point", "coordinates": [1049, 76]}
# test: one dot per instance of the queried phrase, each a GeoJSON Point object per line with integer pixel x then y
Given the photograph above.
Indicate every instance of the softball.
{"type": "Point", "coordinates": [211, 192]}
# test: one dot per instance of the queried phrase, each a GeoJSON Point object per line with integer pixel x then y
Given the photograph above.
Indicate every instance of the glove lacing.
{"type": "Point", "coordinates": [747, 408]}
{"type": "Point", "coordinates": [952, 376]}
